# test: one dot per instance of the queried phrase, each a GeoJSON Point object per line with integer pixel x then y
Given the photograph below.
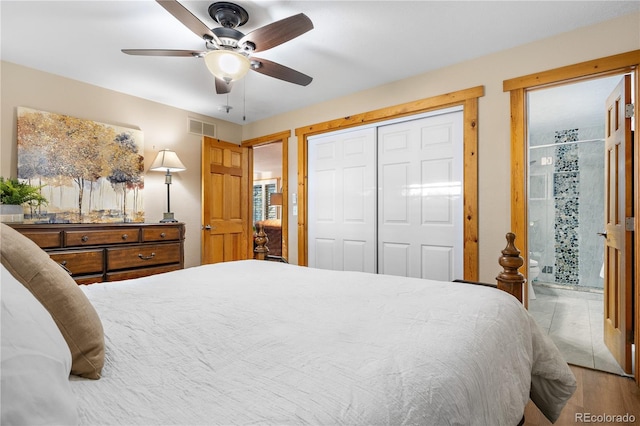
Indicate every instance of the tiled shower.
{"type": "Point", "coordinates": [566, 206]}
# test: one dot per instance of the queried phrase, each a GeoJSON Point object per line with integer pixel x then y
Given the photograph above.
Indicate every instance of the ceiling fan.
{"type": "Point", "coordinates": [229, 53]}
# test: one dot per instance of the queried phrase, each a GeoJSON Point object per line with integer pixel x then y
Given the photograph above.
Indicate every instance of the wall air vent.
{"type": "Point", "coordinates": [201, 128]}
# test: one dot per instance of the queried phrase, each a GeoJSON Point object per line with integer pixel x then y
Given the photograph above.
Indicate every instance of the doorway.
{"type": "Point", "coordinates": [267, 194]}
{"type": "Point", "coordinates": [517, 88]}
{"type": "Point", "coordinates": [566, 209]}
{"type": "Point", "coordinates": [269, 202]}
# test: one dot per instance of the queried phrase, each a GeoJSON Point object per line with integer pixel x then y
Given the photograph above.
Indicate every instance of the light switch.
{"type": "Point", "coordinates": [546, 161]}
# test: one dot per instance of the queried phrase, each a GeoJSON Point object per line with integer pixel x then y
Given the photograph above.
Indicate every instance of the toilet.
{"type": "Point", "coordinates": [534, 271]}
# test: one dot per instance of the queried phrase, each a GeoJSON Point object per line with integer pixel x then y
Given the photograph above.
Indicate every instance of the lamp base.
{"type": "Point", "coordinates": [168, 218]}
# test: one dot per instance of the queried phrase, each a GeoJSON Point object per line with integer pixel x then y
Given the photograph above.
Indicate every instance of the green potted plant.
{"type": "Point", "coordinates": [13, 195]}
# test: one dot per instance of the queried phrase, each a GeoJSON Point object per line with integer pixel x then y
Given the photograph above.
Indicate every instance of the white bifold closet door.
{"type": "Point", "coordinates": [388, 199]}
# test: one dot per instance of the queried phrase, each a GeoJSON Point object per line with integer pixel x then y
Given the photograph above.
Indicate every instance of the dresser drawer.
{"type": "Point", "coordinates": [81, 262]}
{"type": "Point", "coordinates": [89, 279]}
{"type": "Point", "coordinates": [142, 256]}
{"type": "Point", "coordinates": [142, 272]}
{"type": "Point", "coordinates": [92, 238]}
{"type": "Point", "coordinates": [45, 240]}
{"type": "Point", "coordinates": [160, 233]}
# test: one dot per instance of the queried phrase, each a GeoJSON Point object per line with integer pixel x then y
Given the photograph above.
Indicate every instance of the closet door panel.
{"type": "Point", "coordinates": [395, 184]}
{"type": "Point", "coordinates": [437, 263]}
{"type": "Point", "coordinates": [354, 195]}
{"type": "Point", "coordinates": [354, 255]}
{"type": "Point", "coordinates": [421, 202]}
{"type": "Point", "coordinates": [324, 253]}
{"type": "Point", "coordinates": [437, 206]}
{"type": "Point", "coordinates": [324, 196]}
{"type": "Point", "coordinates": [396, 258]}
{"type": "Point", "coordinates": [342, 201]}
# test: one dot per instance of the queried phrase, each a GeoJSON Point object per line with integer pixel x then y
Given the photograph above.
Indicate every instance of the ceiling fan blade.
{"type": "Point", "coordinates": [222, 86]}
{"type": "Point", "coordinates": [273, 69]}
{"type": "Point", "coordinates": [278, 32]}
{"type": "Point", "coordinates": [165, 52]}
{"type": "Point", "coordinates": [189, 20]}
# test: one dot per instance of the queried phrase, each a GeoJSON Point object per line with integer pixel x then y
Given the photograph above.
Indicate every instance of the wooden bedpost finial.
{"type": "Point", "coordinates": [510, 280]}
{"type": "Point", "coordinates": [261, 241]}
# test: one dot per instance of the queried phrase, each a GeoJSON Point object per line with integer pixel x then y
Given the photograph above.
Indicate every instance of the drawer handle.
{"type": "Point", "coordinates": [67, 270]}
{"type": "Point", "coordinates": [125, 236]}
{"type": "Point", "coordinates": [143, 257]}
{"type": "Point", "coordinates": [85, 238]}
{"type": "Point", "coordinates": [162, 235]}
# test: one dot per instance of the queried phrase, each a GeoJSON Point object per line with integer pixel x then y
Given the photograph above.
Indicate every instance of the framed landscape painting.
{"type": "Point", "coordinates": [89, 172]}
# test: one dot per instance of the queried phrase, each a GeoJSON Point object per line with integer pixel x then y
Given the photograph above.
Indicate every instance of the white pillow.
{"type": "Point", "coordinates": [36, 361]}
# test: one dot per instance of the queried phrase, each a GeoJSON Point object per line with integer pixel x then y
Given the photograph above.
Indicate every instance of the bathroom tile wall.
{"type": "Point", "coordinates": [566, 194]}
{"type": "Point", "coordinates": [591, 214]}
{"type": "Point", "coordinates": [566, 206]}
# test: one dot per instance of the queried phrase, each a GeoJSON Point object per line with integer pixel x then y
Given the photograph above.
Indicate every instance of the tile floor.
{"type": "Point", "coordinates": [574, 321]}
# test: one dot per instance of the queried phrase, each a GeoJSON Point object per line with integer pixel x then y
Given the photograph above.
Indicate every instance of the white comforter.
{"type": "Point", "coordinates": [268, 343]}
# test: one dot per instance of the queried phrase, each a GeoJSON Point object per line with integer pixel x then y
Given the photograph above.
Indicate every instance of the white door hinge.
{"type": "Point", "coordinates": [629, 224]}
{"type": "Point", "coordinates": [628, 111]}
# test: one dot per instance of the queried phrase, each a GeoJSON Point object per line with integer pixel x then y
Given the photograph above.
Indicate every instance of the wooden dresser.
{"type": "Point", "coordinates": [109, 252]}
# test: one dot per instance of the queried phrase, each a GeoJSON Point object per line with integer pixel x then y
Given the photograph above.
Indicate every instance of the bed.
{"type": "Point", "coordinates": [258, 342]}
{"type": "Point", "coordinates": [272, 229]}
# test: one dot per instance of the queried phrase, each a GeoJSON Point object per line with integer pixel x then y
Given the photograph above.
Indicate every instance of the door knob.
{"type": "Point", "coordinates": [602, 234]}
{"type": "Point", "coordinates": [207, 227]}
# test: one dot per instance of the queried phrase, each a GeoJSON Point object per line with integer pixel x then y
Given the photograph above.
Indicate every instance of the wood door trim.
{"type": "Point", "coordinates": [615, 64]}
{"type": "Point", "coordinates": [282, 137]}
{"type": "Point", "coordinates": [396, 111]}
{"type": "Point", "coordinates": [267, 139]}
{"type": "Point", "coordinates": [598, 67]}
{"type": "Point", "coordinates": [468, 98]}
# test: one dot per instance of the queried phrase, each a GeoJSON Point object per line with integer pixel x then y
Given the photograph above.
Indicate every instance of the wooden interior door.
{"type": "Point", "coordinates": [225, 201]}
{"type": "Point", "coordinates": [618, 255]}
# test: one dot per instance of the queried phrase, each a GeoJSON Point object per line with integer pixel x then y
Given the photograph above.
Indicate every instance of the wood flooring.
{"type": "Point", "coordinates": [598, 394]}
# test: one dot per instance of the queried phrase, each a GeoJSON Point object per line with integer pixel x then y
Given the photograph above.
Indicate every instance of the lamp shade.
{"type": "Point", "coordinates": [167, 160]}
{"type": "Point", "coordinates": [227, 65]}
{"type": "Point", "coordinates": [275, 199]}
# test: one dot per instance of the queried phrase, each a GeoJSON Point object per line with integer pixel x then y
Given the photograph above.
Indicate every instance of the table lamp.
{"type": "Point", "coordinates": [168, 161]}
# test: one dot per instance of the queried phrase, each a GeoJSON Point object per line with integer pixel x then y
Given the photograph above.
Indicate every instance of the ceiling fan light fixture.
{"type": "Point", "coordinates": [227, 65]}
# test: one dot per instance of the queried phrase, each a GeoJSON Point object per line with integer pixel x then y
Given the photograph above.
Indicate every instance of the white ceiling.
{"type": "Point", "coordinates": [354, 45]}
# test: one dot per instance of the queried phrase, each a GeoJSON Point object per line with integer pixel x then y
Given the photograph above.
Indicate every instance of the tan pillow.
{"type": "Point", "coordinates": [75, 316]}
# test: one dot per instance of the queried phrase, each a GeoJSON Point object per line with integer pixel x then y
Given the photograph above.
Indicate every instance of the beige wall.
{"type": "Point", "coordinates": [494, 134]}
{"type": "Point", "coordinates": [163, 127]}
